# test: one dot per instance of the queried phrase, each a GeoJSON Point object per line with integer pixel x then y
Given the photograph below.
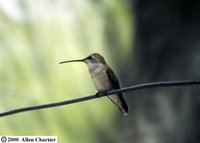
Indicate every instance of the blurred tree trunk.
{"type": "Point", "coordinates": [167, 47]}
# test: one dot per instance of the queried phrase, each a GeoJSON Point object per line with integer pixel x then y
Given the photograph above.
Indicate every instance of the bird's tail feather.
{"type": "Point", "coordinates": [120, 102]}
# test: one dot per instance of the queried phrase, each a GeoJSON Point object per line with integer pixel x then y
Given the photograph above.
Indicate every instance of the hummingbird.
{"type": "Point", "coordinates": [104, 79]}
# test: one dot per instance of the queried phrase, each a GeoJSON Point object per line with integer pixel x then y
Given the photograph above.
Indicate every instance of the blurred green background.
{"type": "Point", "coordinates": [34, 37]}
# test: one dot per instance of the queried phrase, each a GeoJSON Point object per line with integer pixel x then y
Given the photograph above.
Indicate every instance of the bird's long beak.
{"type": "Point", "coordinates": [81, 60]}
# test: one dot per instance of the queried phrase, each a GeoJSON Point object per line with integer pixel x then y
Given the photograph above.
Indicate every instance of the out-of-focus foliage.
{"type": "Point", "coordinates": [34, 37]}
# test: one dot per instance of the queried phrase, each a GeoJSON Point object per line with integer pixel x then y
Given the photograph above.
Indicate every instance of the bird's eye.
{"type": "Point", "coordinates": [90, 57]}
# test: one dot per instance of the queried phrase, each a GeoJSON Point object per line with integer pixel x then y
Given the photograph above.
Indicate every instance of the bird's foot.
{"type": "Point", "coordinates": [101, 93]}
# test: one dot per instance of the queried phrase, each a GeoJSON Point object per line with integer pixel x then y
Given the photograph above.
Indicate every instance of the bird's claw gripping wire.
{"type": "Point", "coordinates": [101, 93]}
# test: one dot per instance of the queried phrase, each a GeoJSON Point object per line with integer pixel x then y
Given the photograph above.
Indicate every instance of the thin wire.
{"type": "Point", "coordinates": [155, 84]}
{"type": "Point", "coordinates": [102, 94]}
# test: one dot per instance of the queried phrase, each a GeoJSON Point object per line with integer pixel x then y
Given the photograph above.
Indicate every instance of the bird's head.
{"type": "Point", "coordinates": [94, 59]}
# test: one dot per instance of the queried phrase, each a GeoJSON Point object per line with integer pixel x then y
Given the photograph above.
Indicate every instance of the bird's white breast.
{"type": "Point", "coordinates": [100, 78]}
